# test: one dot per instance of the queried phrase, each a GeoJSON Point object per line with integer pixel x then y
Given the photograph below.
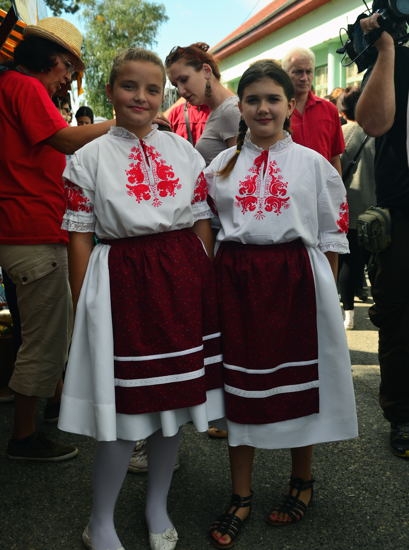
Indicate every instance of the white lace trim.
{"type": "Point", "coordinates": [335, 246]}
{"type": "Point", "coordinates": [199, 213]}
{"type": "Point", "coordinates": [78, 227]}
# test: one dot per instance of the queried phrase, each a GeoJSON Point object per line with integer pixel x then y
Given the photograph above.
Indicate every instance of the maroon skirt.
{"type": "Point", "coordinates": [165, 326]}
{"type": "Point", "coordinates": [268, 319]}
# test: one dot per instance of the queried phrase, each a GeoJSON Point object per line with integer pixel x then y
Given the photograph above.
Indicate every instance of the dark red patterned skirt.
{"type": "Point", "coordinates": [165, 326]}
{"type": "Point", "coordinates": [268, 319]}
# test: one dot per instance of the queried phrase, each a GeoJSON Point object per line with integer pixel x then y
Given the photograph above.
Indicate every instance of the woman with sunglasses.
{"type": "Point", "coordinates": [194, 71]}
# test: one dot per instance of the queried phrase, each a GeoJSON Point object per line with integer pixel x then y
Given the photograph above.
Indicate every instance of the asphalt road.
{"type": "Point", "coordinates": [361, 499]}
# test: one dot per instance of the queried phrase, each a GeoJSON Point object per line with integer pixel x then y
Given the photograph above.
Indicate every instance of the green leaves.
{"type": "Point", "coordinates": [111, 26]}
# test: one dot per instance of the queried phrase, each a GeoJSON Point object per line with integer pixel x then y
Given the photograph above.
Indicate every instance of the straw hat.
{"type": "Point", "coordinates": [59, 31]}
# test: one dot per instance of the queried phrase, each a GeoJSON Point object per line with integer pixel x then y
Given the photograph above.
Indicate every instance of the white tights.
{"type": "Point", "coordinates": [110, 468]}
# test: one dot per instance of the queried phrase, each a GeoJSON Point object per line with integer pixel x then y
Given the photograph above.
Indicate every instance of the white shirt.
{"type": "Point", "coordinates": [127, 187]}
{"type": "Point", "coordinates": [279, 195]}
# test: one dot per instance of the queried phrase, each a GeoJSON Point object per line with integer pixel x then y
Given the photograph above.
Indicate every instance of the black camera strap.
{"type": "Point", "coordinates": [351, 165]}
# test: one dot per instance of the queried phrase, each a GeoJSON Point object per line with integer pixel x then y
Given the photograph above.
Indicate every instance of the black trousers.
{"type": "Point", "coordinates": [390, 313]}
{"type": "Point", "coordinates": [351, 272]}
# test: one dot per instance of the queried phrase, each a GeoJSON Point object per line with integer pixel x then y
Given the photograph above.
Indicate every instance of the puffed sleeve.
{"type": "Point", "coordinates": [333, 214]}
{"type": "Point", "coordinates": [79, 192]}
{"type": "Point", "coordinates": [201, 209]}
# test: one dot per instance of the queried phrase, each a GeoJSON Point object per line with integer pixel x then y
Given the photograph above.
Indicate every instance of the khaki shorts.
{"type": "Point", "coordinates": [40, 273]}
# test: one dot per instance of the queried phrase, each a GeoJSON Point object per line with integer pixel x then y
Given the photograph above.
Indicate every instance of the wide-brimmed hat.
{"type": "Point", "coordinates": [61, 32]}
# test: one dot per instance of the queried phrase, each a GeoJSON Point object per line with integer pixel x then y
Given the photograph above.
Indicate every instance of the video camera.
{"type": "Point", "coordinates": [393, 18]}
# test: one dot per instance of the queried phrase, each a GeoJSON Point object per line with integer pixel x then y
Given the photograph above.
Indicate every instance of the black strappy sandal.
{"type": "Point", "coordinates": [291, 505]}
{"type": "Point", "coordinates": [228, 523]}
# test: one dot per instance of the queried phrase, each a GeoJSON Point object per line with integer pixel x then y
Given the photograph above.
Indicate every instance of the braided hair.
{"type": "Point", "coordinates": [257, 71]}
{"type": "Point", "coordinates": [224, 172]}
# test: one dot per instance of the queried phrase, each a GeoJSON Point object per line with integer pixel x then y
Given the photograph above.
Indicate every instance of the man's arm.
{"type": "Point", "coordinates": [69, 139]}
{"type": "Point", "coordinates": [375, 110]}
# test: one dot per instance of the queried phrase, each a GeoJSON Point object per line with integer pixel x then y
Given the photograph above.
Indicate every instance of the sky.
{"type": "Point", "coordinates": [198, 21]}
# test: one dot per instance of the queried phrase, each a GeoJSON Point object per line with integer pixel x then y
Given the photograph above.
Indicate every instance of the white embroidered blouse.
{"type": "Point", "coordinates": [121, 186]}
{"type": "Point", "coordinates": [279, 195]}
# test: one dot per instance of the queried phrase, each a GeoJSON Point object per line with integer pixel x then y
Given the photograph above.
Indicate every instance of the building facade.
{"type": "Point", "coordinates": [284, 24]}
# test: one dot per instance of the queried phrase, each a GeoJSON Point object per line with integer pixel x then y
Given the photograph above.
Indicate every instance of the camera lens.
{"type": "Point", "coordinates": [400, 8]}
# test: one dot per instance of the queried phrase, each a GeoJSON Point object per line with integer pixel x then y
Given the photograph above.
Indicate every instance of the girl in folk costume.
{"type": "Point", "coordinates": [144, 357]}
{"type": "Point", "coordinates": [287, 371]}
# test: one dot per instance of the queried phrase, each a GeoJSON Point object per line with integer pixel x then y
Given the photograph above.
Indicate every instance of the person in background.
{"type": "Point", "coordinates": [195, 73]}
{"type": "Point", "coordinates": [357, 163]}
{"type": "Point", "coordinates": [144, 358]}
{"type": "Point", "coordinates": [33, 247]}
{"type": "Point", "coordinates": [84, 116]}
{"type": "Point", "coordinates": [315, 121]}
{"type": "Point", "coordinates": [287, 371]}
{"type": "Point", "coordinates": [63, 104]}
{"type": "Point", "coordinates": [333, 98]}
{"type": "Point", "coordinates": [382, 112]}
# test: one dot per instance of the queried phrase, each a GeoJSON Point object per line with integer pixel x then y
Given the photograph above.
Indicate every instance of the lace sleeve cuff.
{"type": "Point", "coordinates": [77, 226]}
{"type": "Point", "coordinates": [201, 211]}
{"type": "Point", "coordinates": [335, 246]}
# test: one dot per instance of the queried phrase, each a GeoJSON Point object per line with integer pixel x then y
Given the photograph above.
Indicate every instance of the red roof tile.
{"type": "Point", "coordinates": [275, 15]}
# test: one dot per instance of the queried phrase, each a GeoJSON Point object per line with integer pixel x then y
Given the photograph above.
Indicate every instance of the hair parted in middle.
{"type": "Point", "coordinates": [85, 111]}
{"type": "Point", "coordinates": [264, 68]}
{"type": "Point", "coordinates": [195, 55]}
{"type": "Point", "coordinates": [135, 54]}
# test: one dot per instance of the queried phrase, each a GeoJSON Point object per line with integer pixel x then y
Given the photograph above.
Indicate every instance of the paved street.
{"type": "Point", "coordinates": [361, 490]}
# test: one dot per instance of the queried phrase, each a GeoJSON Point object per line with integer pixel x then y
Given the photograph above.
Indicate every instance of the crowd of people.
{"type": "Point", "coordinates": [158, 278]}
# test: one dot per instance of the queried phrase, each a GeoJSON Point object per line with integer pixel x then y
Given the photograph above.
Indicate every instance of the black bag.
{"type": "Point", "coordinates": [374, 229]}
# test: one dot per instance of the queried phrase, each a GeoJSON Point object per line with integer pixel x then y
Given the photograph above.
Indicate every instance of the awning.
{"type": "Point", "coordinates": [11, 32]}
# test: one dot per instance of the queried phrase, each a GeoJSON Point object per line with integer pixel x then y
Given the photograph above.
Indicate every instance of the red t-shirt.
{"type": "Point", "coordinates": [318, 127]}
{"type": "Point", "coordinates": [197, 120]}
{"type": "Point", "coordinates": [32, 200]}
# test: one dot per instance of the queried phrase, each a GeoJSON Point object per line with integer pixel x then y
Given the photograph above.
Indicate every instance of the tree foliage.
{"type": "Point", "coordinates": [111, 26]}
{"type": "Point", "coordinates": [57, 7]}
{"type": "Point", "coordinates": [60, 6]}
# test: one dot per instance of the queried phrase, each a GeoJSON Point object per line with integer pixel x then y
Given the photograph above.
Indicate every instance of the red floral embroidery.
{"type": "Point", "coordinates": [149, 176]}
{"type": "Point", "coordinates": [343, 220]}
{"type": "Point", "coordinates": [258, 196]}
{"type": "Point", "coordinates": [200, 193]}
{"type": "Point", "coordinates": [76, 200]}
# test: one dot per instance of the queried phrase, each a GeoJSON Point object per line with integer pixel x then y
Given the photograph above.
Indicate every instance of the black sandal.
{"type": "Point", "coordinates": [228, 523]}
{"type": "Point", "coordinates": [291, 505]}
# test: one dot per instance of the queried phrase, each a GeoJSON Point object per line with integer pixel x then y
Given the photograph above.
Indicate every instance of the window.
{"type": "Point", "coordinates": [321, 81]}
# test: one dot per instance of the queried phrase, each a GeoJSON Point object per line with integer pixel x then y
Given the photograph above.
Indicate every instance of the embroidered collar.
{"type": "Point", "coordinates": [277, 146]}
{"type": "Point", "coordinates": [121, 132]}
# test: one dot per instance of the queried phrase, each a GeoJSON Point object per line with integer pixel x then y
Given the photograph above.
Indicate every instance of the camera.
{"type": "Point", "coordinates": [393, 18]}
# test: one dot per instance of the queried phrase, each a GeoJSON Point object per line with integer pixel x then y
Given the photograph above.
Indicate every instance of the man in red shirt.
{"type": "Point", "coordinates": [315, 121]}
{"type": "Point", "coordinates": [33, 247]}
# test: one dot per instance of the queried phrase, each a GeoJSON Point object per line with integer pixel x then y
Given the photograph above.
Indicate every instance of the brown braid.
{"type": "Point", "coordinates": [224, 172]}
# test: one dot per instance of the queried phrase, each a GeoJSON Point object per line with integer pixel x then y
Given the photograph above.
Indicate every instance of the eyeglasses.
{"type": "Point", "coordinates": [69, 66]}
